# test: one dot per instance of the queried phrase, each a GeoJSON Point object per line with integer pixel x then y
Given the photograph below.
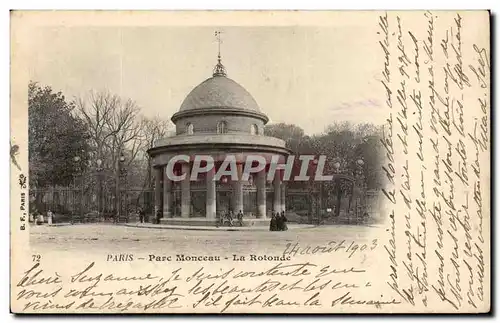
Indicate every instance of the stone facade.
{"type": "Point", "coordinates": [208, 124]}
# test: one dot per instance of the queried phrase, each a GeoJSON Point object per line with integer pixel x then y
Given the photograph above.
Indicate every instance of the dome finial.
{"type": "Point", "coordinates": [219, 69]}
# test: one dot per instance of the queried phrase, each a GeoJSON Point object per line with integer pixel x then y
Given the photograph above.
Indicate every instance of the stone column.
{"type": "Point", "coordinates": [282, 197]}
{"type": "Point", "coordinates": [167, 195]}
{"type": "Point", "coordinates": [277, 192]}
{"type": "Point", "coordinates": [158, 188]}
{"type": "Point", "coordinates": [261, 194]}
{"type": "Point", "coordinates": [186, 191]}
{"type": "Point", "coordinates": [238, 192]}
{"type": "Point", "coordinates": [211, 205]}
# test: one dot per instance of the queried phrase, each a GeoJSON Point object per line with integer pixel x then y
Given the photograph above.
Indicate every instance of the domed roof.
{"type": "Point", "coordinates": [219, 92]}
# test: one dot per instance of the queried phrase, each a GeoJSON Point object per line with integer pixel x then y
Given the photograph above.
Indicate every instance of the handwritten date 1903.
{"type": "Point", "coordinates": [350, 248]}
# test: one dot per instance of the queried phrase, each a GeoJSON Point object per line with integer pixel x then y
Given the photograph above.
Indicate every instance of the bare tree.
{"type": "Point", "coordinates": [152, 129]}
{"type": "Point", "coordinates": [114, 126]}
{"type": "Point", "coordinates": [114, 130]}
{"type": "Point", "coordinates": [124, 127]}
{"type": "Point", "coordinates": [95, 110]}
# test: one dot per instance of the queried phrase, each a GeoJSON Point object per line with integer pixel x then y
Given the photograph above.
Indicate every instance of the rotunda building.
{"type": "Point", "coordinates": [217, 118]}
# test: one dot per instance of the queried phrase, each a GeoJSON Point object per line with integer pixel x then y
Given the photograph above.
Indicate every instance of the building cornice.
{"type": "Point", "coordinates": [219, 111]}
{"type": "Point", "coordinates": [228, 148]}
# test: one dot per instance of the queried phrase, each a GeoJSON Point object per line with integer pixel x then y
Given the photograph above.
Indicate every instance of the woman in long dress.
{"type": "Point", "coordinates": [273, 224]}
{"type": "Point", "coordinates": [50, 216]}
{"type": "Point", "coordinates": [40, 219]}
{"type": "Point", "coordinates": [279, 222]}
{"type": "Point", "coordinates": [283, 221]}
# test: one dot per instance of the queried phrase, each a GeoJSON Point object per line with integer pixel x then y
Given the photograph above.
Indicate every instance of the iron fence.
{"type": "Point", "coordinates": [84, 205]}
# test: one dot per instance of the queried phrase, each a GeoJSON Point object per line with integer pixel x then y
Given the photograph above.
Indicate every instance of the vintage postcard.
{"type": "Point", "coordinates": [250, 162]}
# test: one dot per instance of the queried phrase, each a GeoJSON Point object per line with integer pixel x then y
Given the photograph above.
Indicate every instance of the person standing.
{"type": "Point", "coordinates": [279, 224]}
{"type": "Point", "coordinates": [240, 218]}
{"type": "Point", "coordinates": [32, 216]}
{"type": "Point", "coordinates": [40, 219]}
{"type": "Point", "coordinates": [141, 215]}
{"type": "Point", "coordinates": [49, 217]}
{"type": "Point", "coordinates": [219, 218]}
{"type": "Point", "coordinates": [158, 216]}
{"type": "Point", "coordinates": [273, 224]}
{"type": "Point", "coordinates": [284, 220]}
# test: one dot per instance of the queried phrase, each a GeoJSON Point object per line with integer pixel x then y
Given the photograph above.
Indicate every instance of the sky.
{"type": "Point", "coordinates": [304, 75]}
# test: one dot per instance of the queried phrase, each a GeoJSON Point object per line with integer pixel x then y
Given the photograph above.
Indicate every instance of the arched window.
{"type": "Point", "coordinates": [222, 127]}
{"type": "Point", "coordinates": [189, 128]}
{"type": "Point", "coordinates": [254, 130]}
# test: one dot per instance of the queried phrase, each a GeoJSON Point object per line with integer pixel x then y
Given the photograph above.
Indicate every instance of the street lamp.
{"type": "Point", "coordinates": [360, 183]}
{"type": "Point", "coordinates": [99, 185]}
{"type": "Point", "coordinates": [319, 207]}
{"type": "Point", "coordinates": [338, 169]}
{"type": "Point", "coordinates": [121, 160]}
{"type": "Point", "coordinates": [76, 160]}
{"type": "Point", "coordinates": [98, 163]}
{"type": "Point", "coordinates": [359, 170]}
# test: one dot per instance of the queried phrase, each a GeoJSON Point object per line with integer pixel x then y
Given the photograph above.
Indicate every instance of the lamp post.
{"type": "Point", "coordinates": [337, 187]}
{"type": "Point", "coordinates": [359, 176]}
{"type": "Point", "coordinates": [99, 186]}
{"type": "Point", "coordinates": [119, 164]}
{"type": "Point", "coordinates": [320, 194]}
{"type": "Point", "coordinates": [78, 172]}
{"type": "Point", "coordinates": [76, 160]}
{"type": "Point", "coordinates": [125, 192]}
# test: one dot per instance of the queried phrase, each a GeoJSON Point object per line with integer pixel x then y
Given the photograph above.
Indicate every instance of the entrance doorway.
{"type": "Point", "coordinates": [224, 201]}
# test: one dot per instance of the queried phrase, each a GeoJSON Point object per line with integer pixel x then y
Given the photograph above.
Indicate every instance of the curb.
{"type": "Point", "coordinates": [59, 224]}
{"type": "Point", "coordinates": [194, 228]}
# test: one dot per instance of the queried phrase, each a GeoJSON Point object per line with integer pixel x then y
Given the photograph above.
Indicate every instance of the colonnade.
{"type": "Point", "coordinates": [163, 192]}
